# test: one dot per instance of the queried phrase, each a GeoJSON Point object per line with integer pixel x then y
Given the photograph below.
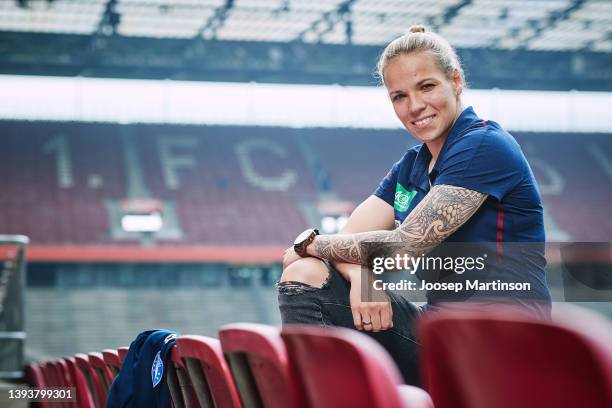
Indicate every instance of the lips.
{"type": "Point", "coordinates": [421, 123]}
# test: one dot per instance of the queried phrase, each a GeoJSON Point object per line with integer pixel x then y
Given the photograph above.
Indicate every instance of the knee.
{"type": "Point", "coordinates": [311, 271]}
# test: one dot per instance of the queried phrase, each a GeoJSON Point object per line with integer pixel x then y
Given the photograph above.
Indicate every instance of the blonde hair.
{"type": "Point", "coordinates": [419, 39]}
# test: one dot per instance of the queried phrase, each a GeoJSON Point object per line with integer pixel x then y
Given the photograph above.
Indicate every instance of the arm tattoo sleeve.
{"type": "Point", "coordinates": [437, 216]}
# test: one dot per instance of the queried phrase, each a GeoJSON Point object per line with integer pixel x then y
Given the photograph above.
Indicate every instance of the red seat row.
{"type": "Point", "coordinates": [90, 375]}
{"type": "Point", "coordinates": [472, 357]}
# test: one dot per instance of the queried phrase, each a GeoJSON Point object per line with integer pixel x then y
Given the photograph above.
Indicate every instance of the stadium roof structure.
{"type": "Point", "coordinates": [105, 37]}
{"type": "Point", "coordinates": [505, 24]}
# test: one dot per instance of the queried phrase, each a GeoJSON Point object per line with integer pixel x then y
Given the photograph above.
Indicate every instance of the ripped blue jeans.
{"type": "Point", "coordinates": [329, 305]}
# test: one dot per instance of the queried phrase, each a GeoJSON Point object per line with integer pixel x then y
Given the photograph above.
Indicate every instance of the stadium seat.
{"type": "Point", "coordinates": [258, 360]}
{"type": "Point", "coordinates": [57, 370]}
{"type": "Point", "coordinates": [49, 374]}
{"type": "Point", "coordinates": [35, 379]}
{"type": "Point", "coordinates": [209, 372]}
{"type": "Point", "coordinates": [64, 378]}
{"type": "Point", "coordinates": [34, 375]}
{"type": "Point", "coordinates": [179, 383]}
{"type": "Point", "coordinates": [122, 353]}
{"type": "Point", "coordinates": [497, 357]}
{"type": "Point", "coordinates": [104, 372]}
{"type": "Point", "coordinates": [83, 396]}
{"type": "Point", "coordinates": [63, 372]}
{"type": "Point", "coordinates": [344, 368]}
{"type": "Point", "coordinates": [111, 358]}
{"type": "Point", "coordinates": [93, 380]}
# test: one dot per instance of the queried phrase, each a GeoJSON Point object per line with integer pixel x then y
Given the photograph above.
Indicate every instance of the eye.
{"type": "Point", "coordinates": [427, 87]}
{"type": "Point", "coordinates": [397, 97]}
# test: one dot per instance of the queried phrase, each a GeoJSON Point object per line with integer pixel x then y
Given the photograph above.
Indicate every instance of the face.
{"type": "Point", "coordinates": [424, 99]}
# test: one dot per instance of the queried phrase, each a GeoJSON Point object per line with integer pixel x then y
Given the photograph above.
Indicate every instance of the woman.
{"type": "Point", "coordinates": [468, 182]}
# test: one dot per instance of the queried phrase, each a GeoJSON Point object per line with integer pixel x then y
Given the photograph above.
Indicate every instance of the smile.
{"type": "Point", "coordinates": [423, 122]}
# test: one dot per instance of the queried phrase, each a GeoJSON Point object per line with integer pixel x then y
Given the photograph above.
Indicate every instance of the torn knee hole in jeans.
{"type": "Point", "coordinates": [296, 288]}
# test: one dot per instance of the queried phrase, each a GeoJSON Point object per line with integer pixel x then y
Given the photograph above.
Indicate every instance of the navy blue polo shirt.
{"type": "Point", "coordinates": [479, 155]}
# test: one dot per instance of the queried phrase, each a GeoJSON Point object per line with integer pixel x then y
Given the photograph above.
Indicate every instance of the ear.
{"type": "Point", "coordinates": [458, 82]}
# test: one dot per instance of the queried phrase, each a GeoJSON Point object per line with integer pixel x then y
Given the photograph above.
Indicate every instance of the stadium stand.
{"type": "Point", "coordinates": [255, 175]}
{"type": "Point", "coordinates": [76, 272]}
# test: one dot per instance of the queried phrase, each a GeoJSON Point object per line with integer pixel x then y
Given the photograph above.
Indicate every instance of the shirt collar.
{"type": "Point", "coordinates": [419, 173]}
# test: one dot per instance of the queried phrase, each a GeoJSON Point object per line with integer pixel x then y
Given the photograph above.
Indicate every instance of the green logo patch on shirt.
{"type": "Point", "coordinates": [403, 197]}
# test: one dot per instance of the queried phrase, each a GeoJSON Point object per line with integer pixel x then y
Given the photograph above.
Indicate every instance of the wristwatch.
{"type": "Point", "coordinates": [303, 240]}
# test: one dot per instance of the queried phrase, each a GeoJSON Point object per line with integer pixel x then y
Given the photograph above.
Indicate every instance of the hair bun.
{"type": "Point", "coordinates": [418, 28]}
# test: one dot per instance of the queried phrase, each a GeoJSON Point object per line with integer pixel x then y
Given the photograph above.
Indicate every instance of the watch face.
{"type": "Point", "coordinates": [302, 236]}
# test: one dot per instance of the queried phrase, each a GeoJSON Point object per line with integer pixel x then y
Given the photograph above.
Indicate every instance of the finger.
{"type": "Point", "coordinates": [357, 319]}
{"type": "Point", "coordinates": [376, 318]}
{"type": "Point", "coordinates": [366, 321]}
{"type": "Point", "coordinates": [386, 317]}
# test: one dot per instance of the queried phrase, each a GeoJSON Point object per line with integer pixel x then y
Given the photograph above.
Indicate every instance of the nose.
{"type": "Point", "coordinates": [417, 104]}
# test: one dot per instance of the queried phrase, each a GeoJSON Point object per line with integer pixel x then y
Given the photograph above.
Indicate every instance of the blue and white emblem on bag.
{"type": "Point", "coordinates": [157, 369]}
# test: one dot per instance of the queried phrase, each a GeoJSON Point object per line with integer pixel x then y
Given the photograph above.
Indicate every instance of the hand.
{"type": "Point", "coordinates": [290, 257]}
{"type": "Point", "coordinates": [378, 314]}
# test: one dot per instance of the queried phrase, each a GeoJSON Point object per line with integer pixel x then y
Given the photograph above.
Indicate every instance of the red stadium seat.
{"type": "Point", "coordinates": [111, 358]}
{"type": "Point", "coordinates": [93, 380]}
{"type": "Point", "coordinates": [50, 374]}
{"type": "Point", "coordinates": [496, 357]}
{"type": "Point", "coordinates": [63, 372]}
{"type": "Point", "coordinates": [179, 384]}
{"type": "Point", "coordinates": [34, 378]}
{"type": "Point", "coordinates": [258, 360]}
{"type": "Point", "coordinates": [344, 368]}
{"type": "Point", "coordinates": [104, 372]}
{"type": "Point", "coordinates": [34, 375]}
{"type": "Point", "coordinates": [83, 396]}
{"type": "Point", "coordinates": [64, 378]}
{"type": "Point", "coordinates": [57, 376]}
{"type": "Point", "coordinates": [122, 353]}
{"type": "Point", "coordinates": [209, 372]}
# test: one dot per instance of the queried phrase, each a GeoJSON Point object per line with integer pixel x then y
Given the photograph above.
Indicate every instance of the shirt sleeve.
{"type": "Point", "coordinates": [490, 162]}
{"type": "Point", "coordinates": [386, 188]}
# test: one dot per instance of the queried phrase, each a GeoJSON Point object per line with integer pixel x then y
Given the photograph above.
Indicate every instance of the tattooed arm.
{"type": "Point", "coordinates": [438, 215]}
